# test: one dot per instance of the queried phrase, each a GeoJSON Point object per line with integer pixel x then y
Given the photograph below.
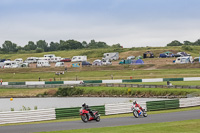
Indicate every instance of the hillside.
{"type": "Point", "coordinates": [98, 53]}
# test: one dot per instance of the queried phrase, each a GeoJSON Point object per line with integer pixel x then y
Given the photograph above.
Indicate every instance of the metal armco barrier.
{"type": "Point", "coordinates": [189, 102]}
{"type": "Point", "coordinates": [121, 108]}
{"type": "Point", "coordinates": [101, 81]}
{"type": "Point", "coordinates": [162, 105]}
{"type": "Point", "coordinates": [74, 112]}
{"type": "Point", "coordinates": [27, 116]}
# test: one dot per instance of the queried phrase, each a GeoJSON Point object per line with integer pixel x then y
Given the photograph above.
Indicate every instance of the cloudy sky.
{"type": "Point", "coordinates": [132, 23]}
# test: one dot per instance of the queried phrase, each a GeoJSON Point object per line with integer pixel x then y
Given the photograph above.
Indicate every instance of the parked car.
{"type": "Point", "coordinates": [85, 63]}
{"type": "Point", "coordinates": [97, 62]}
{"type": "Point", "coordinates": [59, 64]}
{"type": "Point", "coordinates": [106, 62]}
{"type": "Point", "coordinates": [66, 60]}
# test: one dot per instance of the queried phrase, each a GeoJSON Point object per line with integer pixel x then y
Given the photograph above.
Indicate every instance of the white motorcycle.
{"type": "Point", "coordinates": [138, 112]}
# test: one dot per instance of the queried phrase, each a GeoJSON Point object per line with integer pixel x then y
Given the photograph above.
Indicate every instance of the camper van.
{"type": "Point", "coordinates": [43, 63]}
{"type": "Point", "coordinates": [31, 60]}
{"type": "Point", "coordinates": [11, 64]}
{"type": "Point", "coordinates": [19, 60]}
{"type": "Point", "coordinates": [185, 59]}
{"type": "Point", "coordinates": [79, 58]}
{"type": "Point", "coordinates": [44, 58]}
{"type": "Point", "coordinates": [110, 56]}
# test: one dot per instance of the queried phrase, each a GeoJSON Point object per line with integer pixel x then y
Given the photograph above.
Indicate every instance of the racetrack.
{"type": "Point", "coordinates": [156, 118]}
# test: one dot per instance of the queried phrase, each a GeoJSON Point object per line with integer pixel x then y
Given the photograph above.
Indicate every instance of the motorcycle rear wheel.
{"type": "Point", "coordinates": [135, 113]}
{"type": "Point", "coordinates": [84, 118]}
{"type": "Point", "coordinates": [97, 117]}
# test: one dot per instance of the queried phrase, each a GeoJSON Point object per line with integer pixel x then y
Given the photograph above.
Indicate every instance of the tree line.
{"type": "Point", "coordinates": [43, 46]}
{"type": "Point", "coordinates": [177, 43]}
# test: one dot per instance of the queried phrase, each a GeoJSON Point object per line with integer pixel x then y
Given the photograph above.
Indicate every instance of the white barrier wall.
{"type": "Point", "coordinates": [188, 102]}
{"type": "Point", "coordinates": [191, 79]}
{"type": "Point", "coordinates": [73, 82]}
{"type": "Point", "coordinates": [35, 83]}
{"type": "Point", "coordinates": [112, 81]}
{"type": "Point", "coordinates": [4, 83]}
{"type": "Point", "coordinates": [27, 116]}
{"type": "Point", "coordinates": [121, 108]}
{"type": "Point", "coordinates": [153, 80]}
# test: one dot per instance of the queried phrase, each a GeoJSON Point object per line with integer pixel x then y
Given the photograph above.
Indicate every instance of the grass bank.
{"type": "Point", "coordinates": [124, 91]}
{"type": "Point", "coordinates": [98, 91]}
{"type": "Point", "coordinates": [189, 126]}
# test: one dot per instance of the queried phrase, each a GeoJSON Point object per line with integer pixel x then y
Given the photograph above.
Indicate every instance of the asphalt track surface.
{"type": "Point", "coordinates": [120, 121]}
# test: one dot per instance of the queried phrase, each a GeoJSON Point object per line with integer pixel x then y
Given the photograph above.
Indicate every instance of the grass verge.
{"type": "Point", "coordinates": [187, 126]}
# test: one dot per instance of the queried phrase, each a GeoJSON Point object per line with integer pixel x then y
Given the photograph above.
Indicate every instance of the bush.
{"type": "Point", "coordinates": [39, 50]}
{"type": "Point", "coordinates": [69, 91]}
{"type": "Point", "coordinates": [188, 48]}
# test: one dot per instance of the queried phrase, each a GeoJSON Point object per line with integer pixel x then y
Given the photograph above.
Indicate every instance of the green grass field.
{"type": "Point", "coordinates": [187, 126]}
{"type": "Point", "coordinates": [28, 74]}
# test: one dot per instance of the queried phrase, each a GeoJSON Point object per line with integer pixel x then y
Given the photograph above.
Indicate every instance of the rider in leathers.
{"type": "Point", "coordinates": [86, 107]}
{"type": "Point", "coordinates": [137, 105]}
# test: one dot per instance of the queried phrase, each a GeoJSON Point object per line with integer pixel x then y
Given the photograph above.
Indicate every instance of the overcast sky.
{"type": "Point", "coordinates": [132, 23]}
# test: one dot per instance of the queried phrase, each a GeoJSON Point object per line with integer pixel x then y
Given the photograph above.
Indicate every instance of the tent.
{"type": "Point", "coordinates": [137, 62]}
{"type": "Point", "coordinates": [139, 57]}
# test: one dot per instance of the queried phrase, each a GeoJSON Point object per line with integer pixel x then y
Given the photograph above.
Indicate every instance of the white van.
{"type": "Point", "coordinates": [43, 63]}
{"type": "Point", "coordinates": [31, 60]}
{"type": "Point", "coordinates": [79, 58]}
{"type": "Point", "coordinates": [59, 64]}
{"type": "Point", "coordinates": [19, 60]}
{"type": "Point", "coordinates": [11, 64]}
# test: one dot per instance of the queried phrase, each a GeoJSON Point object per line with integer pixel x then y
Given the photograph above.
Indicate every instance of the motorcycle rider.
{"type": "Point", "coordinates": [137, 105]}
{"type": "Point", "coordinates": [86, 107]}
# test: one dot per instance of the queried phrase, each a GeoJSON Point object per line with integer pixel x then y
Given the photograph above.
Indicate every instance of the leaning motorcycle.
{"type": "Point", "coordinates": [86, 116]}
{"type": "Point", "coordinates": [138, 112]}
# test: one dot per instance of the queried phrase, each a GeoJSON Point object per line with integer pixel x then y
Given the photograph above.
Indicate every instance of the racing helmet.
{"type": "Point", "coordinates": [83, 105]}
{"type": "Point", "coordinates": [134, 102]}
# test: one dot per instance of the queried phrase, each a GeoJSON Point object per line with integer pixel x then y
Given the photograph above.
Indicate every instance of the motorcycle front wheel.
{"type": "Point", "coordinates": [84, 118]}
{"type": "Point", "coordinates": [97, 118]}
{"type": "Point", "coordinates": [135, 113]}
{"type": "Point", "coordinates": [145, 114]}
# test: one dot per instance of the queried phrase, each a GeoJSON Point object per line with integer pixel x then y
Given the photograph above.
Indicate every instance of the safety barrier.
{"type": "Point", "coordinates": [108, 109]}
{"type": "Point", "coordinates": [163, 104]}
{"type": "Point", "coordinates": [27, 116]}
{"type": "Point", "coordinates": [74, 112]}
{"type": "Point", "coordinates": [121, 108]}
{"type": "Point", "coordinates": [188, 102]}
{"type": "Point", "coordinates": [102, 81]}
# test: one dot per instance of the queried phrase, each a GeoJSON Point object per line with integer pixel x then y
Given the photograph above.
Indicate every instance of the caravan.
{"type": "Point", "coordinates": [11, 64]}
{"type": "Point", "coordinates": [110, 56]}
{"type": "Point", "coordinates": [185, 59]}
{"type": "Point", "coordinates": [52, 58]}
{"type": "Point", "coordinates": [79, 58]}
{"type": "Point", "coordinates": [31, 60]}
{"type": "Point", "coordinates": [43, 63]}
